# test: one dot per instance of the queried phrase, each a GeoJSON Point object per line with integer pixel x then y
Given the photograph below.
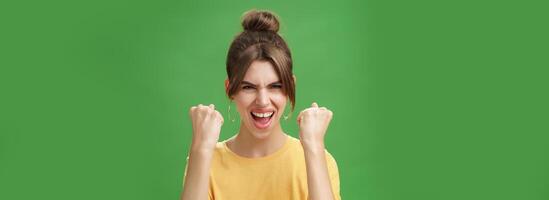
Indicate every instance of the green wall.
{"type": "Point", "coordinates": [432, 99]}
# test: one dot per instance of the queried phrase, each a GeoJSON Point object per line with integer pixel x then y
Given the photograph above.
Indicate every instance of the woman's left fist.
{"type": "Point", "coordinates": [313, 123]}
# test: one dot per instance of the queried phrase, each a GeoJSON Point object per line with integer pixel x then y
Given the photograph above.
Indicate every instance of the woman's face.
{"type": "Point", "coordinates": [260, 99]}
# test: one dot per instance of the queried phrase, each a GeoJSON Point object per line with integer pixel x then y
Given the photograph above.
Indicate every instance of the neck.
{"type": "Point", "coordinates": [246, 144]}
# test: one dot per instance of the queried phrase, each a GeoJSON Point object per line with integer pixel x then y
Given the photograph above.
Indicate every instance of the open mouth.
{"type": "Point", "coordinates": [262, 120]}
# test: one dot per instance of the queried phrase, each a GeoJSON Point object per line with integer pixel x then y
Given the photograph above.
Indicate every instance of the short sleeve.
{"type": "Point", "coordinates": [333, 171]}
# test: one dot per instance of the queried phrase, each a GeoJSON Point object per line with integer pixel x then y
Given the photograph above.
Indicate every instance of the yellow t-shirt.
{"type": "Point", "coordinates": [278, 176]}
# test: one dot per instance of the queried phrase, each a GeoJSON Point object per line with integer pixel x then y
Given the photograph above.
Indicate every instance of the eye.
{"type": "Point", "coordinates": [277, 86]}
{"type": "Point", "coordinates": [247, 87]}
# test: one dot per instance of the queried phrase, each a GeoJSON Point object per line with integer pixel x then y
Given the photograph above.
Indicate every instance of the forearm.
{"type": "Point", "coordinates": [198, 169]}
{"type": "Point", "coordinates": [318, 179]}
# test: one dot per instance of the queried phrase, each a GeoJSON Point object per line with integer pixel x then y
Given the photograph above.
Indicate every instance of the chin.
{"type": "Point", "coordinates": [262, 132]}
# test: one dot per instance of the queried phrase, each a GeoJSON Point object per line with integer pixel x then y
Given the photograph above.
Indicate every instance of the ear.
{"type": "Point", "coordinates": [295, 80]}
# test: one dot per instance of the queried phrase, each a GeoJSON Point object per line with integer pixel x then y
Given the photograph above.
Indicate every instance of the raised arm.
{"type": "Point", "coordinates": [313, 123]}
{"type": "Point", "coordinates": [206, 123]}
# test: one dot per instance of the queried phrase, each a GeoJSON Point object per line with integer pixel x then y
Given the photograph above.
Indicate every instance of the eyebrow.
{"type": "Point", "coordinates": [248, 83]}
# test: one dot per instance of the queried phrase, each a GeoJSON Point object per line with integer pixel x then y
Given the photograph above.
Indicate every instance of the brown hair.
{"type": "Point", "coordinates": [260, 41]}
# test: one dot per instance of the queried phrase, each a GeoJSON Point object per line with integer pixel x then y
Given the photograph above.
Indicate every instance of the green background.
{"type": "Point", "coordinates": [431, 99]}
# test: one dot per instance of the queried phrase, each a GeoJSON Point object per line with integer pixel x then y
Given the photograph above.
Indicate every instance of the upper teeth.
{"type": "Point", "coordinates": [267, 114]}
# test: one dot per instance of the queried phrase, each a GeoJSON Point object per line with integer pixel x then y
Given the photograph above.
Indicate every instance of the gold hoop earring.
{"type": "Point", "coordinates": [286, 117]}
{"type": "Point", "coordinates": [229, 113]}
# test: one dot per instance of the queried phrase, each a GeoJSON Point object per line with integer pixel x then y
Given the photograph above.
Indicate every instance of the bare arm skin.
{"type": "Point", "coordinates": [318, 179]}
{"type": "Point", "coordinates": [206, 128]}
{"type": "Point", "coordinates": [198, 172]}
{"type": "Point", "coordinates": [313, 123]}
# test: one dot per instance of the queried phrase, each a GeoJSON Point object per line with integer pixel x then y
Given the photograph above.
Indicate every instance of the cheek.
{"type": "Point", "coordinates": [280, 100]}
{"type": "Point", "coordinates": [242, 101]}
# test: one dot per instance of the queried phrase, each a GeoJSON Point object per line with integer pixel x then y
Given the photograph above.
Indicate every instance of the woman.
{"type": "Point", "coordinates": [260, 161]}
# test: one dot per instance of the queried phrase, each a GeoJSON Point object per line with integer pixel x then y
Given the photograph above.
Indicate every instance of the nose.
{"type": "Point", "coordinates": [262, 99]}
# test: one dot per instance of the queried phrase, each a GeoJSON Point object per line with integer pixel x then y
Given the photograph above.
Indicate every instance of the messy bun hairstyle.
{"type": "Point", "coordinates": [260, 21]}
{"type": "Point", "coordinates": [260, 42]}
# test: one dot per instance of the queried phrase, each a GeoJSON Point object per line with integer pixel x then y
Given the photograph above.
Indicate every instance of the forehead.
{"type": "Point", "coordinates": [261, 72]}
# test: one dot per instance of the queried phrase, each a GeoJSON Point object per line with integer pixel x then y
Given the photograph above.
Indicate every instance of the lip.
{"type": "Point", "coordinates": [263, 110]}
{"type": "Point", "coordinates": [257, 124]}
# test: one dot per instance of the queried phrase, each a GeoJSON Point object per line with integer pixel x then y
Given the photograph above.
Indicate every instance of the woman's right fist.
{"type": "Point", "coordinates": [206, 122]}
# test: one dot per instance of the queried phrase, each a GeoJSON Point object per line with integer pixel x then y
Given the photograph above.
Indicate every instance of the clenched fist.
{"type": "Point", "coordinates": [206, 122]}
{"type": "Point", "coordinates": [313, 123]}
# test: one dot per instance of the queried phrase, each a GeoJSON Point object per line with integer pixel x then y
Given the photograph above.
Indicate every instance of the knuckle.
{"type": "Point", "coordinates": [192, 110]}
{"type": "Point", "coordinates": [220, 116]}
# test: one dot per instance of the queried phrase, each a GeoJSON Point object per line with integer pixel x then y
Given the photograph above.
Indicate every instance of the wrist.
{"type": "Point", "coordinates": [200, 147]}
{"type": "Point", "coordinates": [312, 146]}
{"type": "Point", "coordinates": [200, 154]}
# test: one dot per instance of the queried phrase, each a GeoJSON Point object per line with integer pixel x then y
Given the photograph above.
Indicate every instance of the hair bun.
{"type": "Point", "coordinates": [255, 20]}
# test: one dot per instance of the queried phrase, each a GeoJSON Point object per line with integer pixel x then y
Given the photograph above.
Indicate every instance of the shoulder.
{"type": "Point", "coordinates": [294, 142]}
{"type": "Point", "coordinates": [221, 148]}
{"type": "Point", "coordinates": [329, 156]}
{"type": "Point", "coordinates": [331, 161]}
